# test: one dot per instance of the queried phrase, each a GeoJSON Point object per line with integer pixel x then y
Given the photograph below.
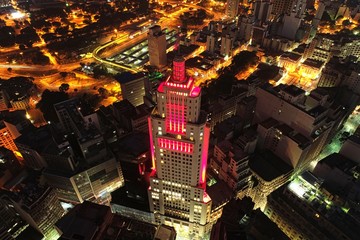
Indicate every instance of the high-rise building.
{"type": "Point", "coordinates": [319, 14]}
{"type": "Point", "coordinates": [232, 7]}
{"type": "Point", "coordinates": [245, 28]}
{"type": "Point", "coordinates": [157, 47]}
{"type": "Point", "coordinates": [289, 126]}
{"type": "Point", "coordinates": [226, 45]}
{"type": "Point", "coordinates": [133, 87]}
{"type": "Point", "coordinates": [262, 10]}
{"type": "Point", "coordinates": [179, 140]}
{"type": "Point", "coordinates": [92, 184]}
{"type": "Point", "coordinates": [12, 225]}
{"type": "Point", "coordinates": [211, 42]}
{"type": "Point", "coordinates": [9, 166]}
{"type": "Point", "coordinates": [288, 6]}
{"type": "Point", "coordinates": [281, 7]}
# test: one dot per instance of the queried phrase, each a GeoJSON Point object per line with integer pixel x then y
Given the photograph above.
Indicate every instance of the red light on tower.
{"type": "Point", "coordinates": [178, 74]}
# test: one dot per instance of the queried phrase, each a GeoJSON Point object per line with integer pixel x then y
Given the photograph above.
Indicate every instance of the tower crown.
{"type": "Point", "coordinates": [179, 73]}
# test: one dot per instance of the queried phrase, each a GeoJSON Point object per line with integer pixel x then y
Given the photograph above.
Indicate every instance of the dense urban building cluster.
{"type": "Point", "coordinates": [164, 120]}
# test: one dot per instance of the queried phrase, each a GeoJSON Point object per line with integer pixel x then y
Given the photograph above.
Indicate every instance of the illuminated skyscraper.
{"type": "Point", "coordinates": [179, 139]}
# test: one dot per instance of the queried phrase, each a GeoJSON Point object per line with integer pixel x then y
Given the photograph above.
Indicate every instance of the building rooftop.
{"type": "Point", "coordinates": [127, 77]}
{"type": "Point", "coordinates": [313, 63]}
{"type": "Point", "coordinates": [293, 90]}
{"type": "Point", "coordinates": [291, 55]}
{"type": "Point", "coordinates": [14, 117]}
{"type": "Point", "coordinates": [219, 191]}
{"type": "Point", "coordinates": [17, 87]}
{"type": "Point", "coordinates": [36, 138]}
{"type": "Point", "coordinates": [83, 221]}
{"type": "Point", "coordinates": [306, 189]}
{"type": "Point", "coordinates": [165, 233]}
{"type": "Point", "coordinates": [269, 123]}
{"type": "Point", "coordinates": [340, 162]}
{"type": "Point", "coordinates": [316, 111]}
{"type": "Point", "coordinates": [268, 166]}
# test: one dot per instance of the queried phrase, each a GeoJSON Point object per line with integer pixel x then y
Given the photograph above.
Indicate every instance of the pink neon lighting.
{"type": "Point", "coordinates": [195, 91]}
{"type": "Point", "coordinates": [151, 145]}
{"type": "Point", "coordinates": [161, 87]}
{"type": "Point", "coordinates": [175, 112]}
{"type": "Point", "coordinates": [174, 145]}
{"type": "Point", "coordinates": [204, 156]}
{"type": "Point", "coordinates": [206, 198]}
{"type": "Point", "coordinates": [178, 73]}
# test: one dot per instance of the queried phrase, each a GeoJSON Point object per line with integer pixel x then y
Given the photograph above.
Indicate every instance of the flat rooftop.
{"type": "Point", "coordinates": [268, 166]}
{"type": "Point", "coordinates": [293, 90]}
{"type": "Point", "coordinates": [293, 56]}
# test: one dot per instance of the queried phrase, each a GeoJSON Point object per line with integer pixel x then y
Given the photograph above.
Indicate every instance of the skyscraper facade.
{"type": "Point", "coordinates": [179, 139]}
{"type": "Point", "coordinates": [157, 47]}
{"type": "Point", "coordinates": [232, 7]}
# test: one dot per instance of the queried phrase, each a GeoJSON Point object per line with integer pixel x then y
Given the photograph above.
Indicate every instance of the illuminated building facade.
{"type": "Point", "coordinates": [179, 139]}
{"type": "Point", "coordinates": [157, 47]}
{"type": "Point", "coordinates": [232, 7]}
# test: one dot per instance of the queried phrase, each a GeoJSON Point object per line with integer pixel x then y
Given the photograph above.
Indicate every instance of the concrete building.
{"type": "Point", "coordinates": [133, 87]}
{"type": "Point", "coordinates": [290, 61]}
{"type": "Point", "coordinates": [304, 209]}
{"type": "Point", "coordinates": [307, 127]}
{"type": "Point", "coordinates": [231, 164]}
{"type": "Point", "coordinates": [38, 205]}
{"type": "Point", "coordinates": [319, 13]}
{"type": "Point", "coordinates": [245, 28]}
{"type": "Point", "coordinates": [211, 42]}
{"type": "Point", "coordinates": [179, 141]}
{"type": "Point", "coordinates": [10, 166]}
{"type": "Point", "coordinates": [226, 48]}
{"type": "Point", "coordinates": [270, 172]}
{"type": "Point", "coordinates": [262, 10]}
{"type": "Point", "coordinates": [11, 126]}
{"type": "Point", "coordinates": [351, 148]}
{"type": "Point", "coordinates": [282, 6]}
{"type": "Point", "coordinates": [4, 100]}
{"type": "Point", "coordinates": [75, 116]}
{"type": "Point", "coordinates": [332, 74]}
{"type": "Point", "coordinates": [338, 72]}
{"type": "Point", "coordinates": [94, 183]}
{"type": "Point", "coordinates": [90, 221]}
{"type": "Point", "coordinates": [245, 109]}
{"type": "Point", "coordinates": [311, 68]}
{"type": "Point", "coordinates": [157, 47]}
{"type": "Point", "coordinates": [232, 8]}
{"type": "Point", "coordinates": [12, 225]}
{"type": "Point", "coordinates": [290, 27]}
{"type": "Point", "coordinates": [340, 175]}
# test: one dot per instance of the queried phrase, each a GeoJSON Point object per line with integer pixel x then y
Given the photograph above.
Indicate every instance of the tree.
{"type": "Point", "coordinates": [346, 22]}
{"type": "Point", "coordinates": [7, 36]}
{"type": "Point", "coordinates": [104, 92]}
{"type": "Point", "coordinates": [46, 104]}
{"type": "Point", "coordinates": [100, 70]}
{"type": "Point", "coordinates": [64, 87]}
{"type": "Point", "coordinates": [63, 74]}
